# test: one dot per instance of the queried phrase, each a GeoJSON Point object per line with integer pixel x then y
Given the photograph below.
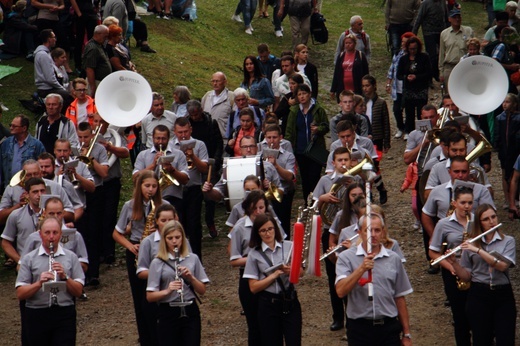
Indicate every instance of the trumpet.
{"type": "Point", "coordinates": [337, 248]}
{"type": "Point", "coordinates": [165, 179]}
{"type": "Point", "coordinates": [458, 248]}
{"type": "Point", "coordinates": [86, 159]}
{"type": "Point", "coordinates": [274, 193]}
{"type": "Point", "coordinates": [182, 304]}
{"type": "Point", "coordinates": [54, 286]}
{"type": "Point", "coordinates": [72, 177]}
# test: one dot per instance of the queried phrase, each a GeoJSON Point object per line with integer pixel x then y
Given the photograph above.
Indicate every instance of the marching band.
{"type": "Point", "coordinates": [59, 242]}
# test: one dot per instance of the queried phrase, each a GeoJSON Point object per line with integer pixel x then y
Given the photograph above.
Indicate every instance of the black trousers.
{"type": "Point", "coordinates": [397, 109]}
{"type": "Point", "coordinates": [249, 302]}
{"type": "Point", "coordinates": [51, 326]}
{"type": "Point", "coordinates": [338, 309]}
{"type": "Point", "coordinates": [111, 203]}
{"type": "Point", "coordinates": [84, 25]}
{"type": "Point", "coordinates": [275, 324]}
{"type": "Point", "coordinates": [457, 299]}
{"type": "Point", "coordinates": [283, 211]}
{"type": "Point", "coordinates": [412, 109]}
{"type": "Point", "coordinates": [173, 330]}
{"type": "Point", "coordinates": [93, 233]}
{"type": "Point", "coordinates": [491, 314]}
{"type": "Point", "coordinates": [310, 173]}
{"type": "Point", "coordinates": [144, 311]}
{"type": "Point", "coordinates": [191, 217]}
{"type": "Point", "coordinates": [361, 332]}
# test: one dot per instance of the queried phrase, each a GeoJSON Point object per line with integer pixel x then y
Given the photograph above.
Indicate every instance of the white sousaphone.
{"type": "Point", "coordinates": [478, 84]}
{"type": "Point", "coordinates": [123, 98]}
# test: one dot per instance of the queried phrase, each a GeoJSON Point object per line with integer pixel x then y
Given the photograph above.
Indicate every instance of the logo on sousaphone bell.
{"type": "Point", "coordinates": [483, 63]}
{"type": "Point", "coordinates": [128, 79]}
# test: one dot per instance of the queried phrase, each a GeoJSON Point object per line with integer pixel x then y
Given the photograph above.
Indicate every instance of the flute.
{"type": "Point", "coordinates": [336, 248]}
{"type": "Point", "coordinates": [456, 249]}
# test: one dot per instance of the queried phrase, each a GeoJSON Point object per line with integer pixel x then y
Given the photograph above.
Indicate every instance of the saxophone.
{"type": "Point", "coordinates": [149, 226]}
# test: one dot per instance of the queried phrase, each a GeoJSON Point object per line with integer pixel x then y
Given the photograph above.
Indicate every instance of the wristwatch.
{"type": "Point", "coordinates": [66, 277]}
{"type": "Point", "coordinates": [407, 336]}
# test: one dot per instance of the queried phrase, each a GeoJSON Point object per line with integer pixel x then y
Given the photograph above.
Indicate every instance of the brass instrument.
{"type": "Point", "coordinates": [480, 149]}
{"type": "Point", "coordinates": [86, 159]}
{"type": "Point", "coordinates": [182, 304]}
{"type": "Point", "coordinates": [53, 286]}
{"type": "Point", "coordinates": [149, 225]}
{"type": "Point", "coordinates": [165, 179]}
{"type": "Point", "coordinates": [18, 179]}
{"type": "Point", "coordinates": [273, 193]}
{"type": "Point", "coordinates": [329, 210]}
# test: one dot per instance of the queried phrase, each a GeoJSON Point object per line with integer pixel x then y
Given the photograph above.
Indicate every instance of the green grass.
{"type": "Point", "coordinates": [189, 53]}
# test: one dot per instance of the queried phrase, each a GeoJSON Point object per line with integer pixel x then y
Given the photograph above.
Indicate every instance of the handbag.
{"type": "Point", "coordinates": [316, 152]}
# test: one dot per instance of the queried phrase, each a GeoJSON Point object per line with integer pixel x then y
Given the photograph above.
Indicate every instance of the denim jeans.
{"type": "Point", "coordinates": [248, 9]}
{"type": "Point", "coordinates": [396, 30]}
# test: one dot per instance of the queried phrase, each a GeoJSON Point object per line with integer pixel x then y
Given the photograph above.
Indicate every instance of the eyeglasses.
{"type": "Point", "coordinates": [265, 230]}
{"type": "Point", "coordinates": [81, 90]}
{"type": "Point", "coordinates": [248, 146]}
{"type": "Point", "coordinates": [13, 125]}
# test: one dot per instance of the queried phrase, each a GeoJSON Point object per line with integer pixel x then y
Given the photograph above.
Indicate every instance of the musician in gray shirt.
{"type": "Point", "coordinates": [385, 316]}
{"type": "Point", "coordinates": [50, 317]}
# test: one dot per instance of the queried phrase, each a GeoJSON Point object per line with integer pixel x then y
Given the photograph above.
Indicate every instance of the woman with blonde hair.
{"type": "Point", "coordinates": [175, 278]}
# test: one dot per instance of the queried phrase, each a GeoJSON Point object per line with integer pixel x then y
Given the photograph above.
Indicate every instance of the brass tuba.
{"type": "Point", "coordinates": [480, 149]}
{"type": "Point", "coordinates": [329, 210]}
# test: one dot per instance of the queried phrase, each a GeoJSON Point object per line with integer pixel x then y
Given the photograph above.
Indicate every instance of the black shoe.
{"type": "Point", "coordinates": [434, 270]}
{"type": "Point", "coordinates": [147, 49]}
{"type": "Point", "coordinates": [242, 313]}
{"type": "Point", "coordinates": [94, 282]}
{"type": "Point", "coordinates": [383, 197]}
{"type": "Point", "coordinates": [336, 325]}
{"type": "Point", "coordinates": [213, 232]}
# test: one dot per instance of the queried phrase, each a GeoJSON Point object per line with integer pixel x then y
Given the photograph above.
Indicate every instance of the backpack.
{"type": "Point", "coordinates": [490, 47]}
{"type": "Point", "coordinates": [319, 32]}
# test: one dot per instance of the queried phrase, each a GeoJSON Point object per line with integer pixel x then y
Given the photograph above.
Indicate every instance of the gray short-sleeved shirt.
{"type": "Point", "coordinates": [37, 262]}
{"type": "Point", "coordinates": [480, 270]}
{"type": "Point", "coordinates": [70, 191]}
{"type": "Point", "coordinates": [12, 195]}
{"type": "Point", "coordinates": [439, 175]}
{"type": "Point", "coordinates": [363, 144]}
{"type": "Point", "coordinates": [389, 280]}
{"type": "Point", "coordinates": [82, 170]}
{"type": "Point", "coordinates": [256, 264]}
{"type": "Point", "coordinates": [75, 244]}
{"type": "Point", "coordinates": [240, 235]}
{"type": "Point", "coordinates": [146, 157]}
{"type": "Point", "coordinates": [137, 226]}
{"type": "Point", "coordinates": [20, 224]}
{"type": "Point", "coordinates": [335, 223]}
{"type": "Point", "coordinates": [447, 230]}
{"type": "Point", "coordinates": [149, 122]}
{"type": "Point", "coordinates": [160, 275]}
{"type": "Point", "coordinates": [201, 152]}
{"type": "Point", "coordinates": [438, 202]}
{"type": "Point", "coordinates": [99, 153]}
{"type": "Point", "coordinates": [149, 249]}
{"type": "Point", "coordinates": [287, 161]}
{"type": "Point", "coordinates": [115, 171]}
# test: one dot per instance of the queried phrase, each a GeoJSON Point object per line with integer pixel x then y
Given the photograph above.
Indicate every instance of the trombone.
{"type": "Point", "coordinates": [86, 159]}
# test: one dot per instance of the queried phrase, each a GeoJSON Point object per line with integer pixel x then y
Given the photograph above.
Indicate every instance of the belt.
{"type": "Point", "coordinates": [270, 297]}
{"type": "Point", "coordinates": [491, 287]}
{"type": "Point", "coordinates": [373, 321]}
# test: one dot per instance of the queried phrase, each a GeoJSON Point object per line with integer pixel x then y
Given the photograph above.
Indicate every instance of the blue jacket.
{"type": "Point", "coordinates": [33, 150]}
